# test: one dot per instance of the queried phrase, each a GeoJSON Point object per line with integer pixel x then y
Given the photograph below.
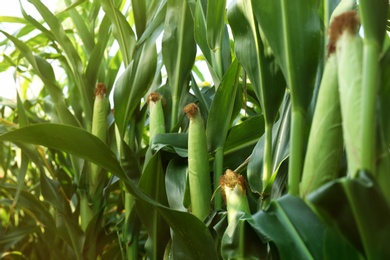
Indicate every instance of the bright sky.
{"type": "Point", "coordinates": [12, 8]}
{"type": "Point", "coordinates": [9, 8]}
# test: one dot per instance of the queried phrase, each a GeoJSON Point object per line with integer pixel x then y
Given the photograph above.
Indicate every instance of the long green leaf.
{"type": "Point", "coordinates": [243, 135]}
{"type": "Point", "coordinates": [266, 77]}
{"type": "Point", "coordinates": [297, 232]}
{"type": "Point", "coordinates": [82, 28]}
{"type": "Point", "coordinates": [215, 29]}
{"type": "Point", "coordinates": [121, 30]}
{"type": "Point", "coordinates": [200, 33]}
{"type": "Point", "coordinates": [359, 210]}
{"type": "Point", "coordinates": [175, 183]}
{"type": "Point", "coordinates": [140, 16]}
{"type": "Point", "coordinates": [178, 50]}
{"type": "Point", "coordinates": [280, 148]}
{"type": "Point", "coordinates": [45, 72]}
{"type": "Point", "coordinates": [38, 210]}
{"type": "Point", "coordinates": [217, 125]}
{"type": "Point", "coordinates": [172, 142]}
{"type": "Point", "coordinates": [215, 20]}
{"type": "Point", "coordinates": [152, 182]}
{"type": "Point", "coordinates": [221, 110]}
{"type": "Point", "coordinates": [70, 53]}
{"type": "Point", "coordinates": [240, 241]}
{"type": "Point", "coordinates": [15, 236]}
{"type": "Point", "coordinates": [293, 31]}
{"type": "Point", "coordinates": [194, 234]}
{"type": "Point", "coordinates": [12, 19]}
{"type": "Point", "coordinates": [134, 83]}
{"type": "Point", "coordinates": [35, 24]}
{"type": "Point", "coordinates": [155, 26]}
{"type": "Point", "coordinates": [97, 55]}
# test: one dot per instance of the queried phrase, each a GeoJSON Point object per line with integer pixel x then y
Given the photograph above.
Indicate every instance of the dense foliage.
{"type": "Point", "coordinates": [286, 97]}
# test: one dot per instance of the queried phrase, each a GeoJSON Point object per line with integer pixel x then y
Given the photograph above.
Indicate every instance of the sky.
{"type": "Point", "coordinates": [12, 8]}
{"type": "Point", "coordinates": [7, 87]}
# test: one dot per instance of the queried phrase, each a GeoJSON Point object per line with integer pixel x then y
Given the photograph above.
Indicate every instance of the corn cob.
{"type": "Point", "coordinates": [157, 122]}
{"type": "Point", "coordinates": [325, 145]}
{"type": "Point", "coordinates": [234, 188]}
{"type": "Point", "coordinates": [349, 52]}
{"type": "Point", "coordinates": [198, 164]}
{"type": "Point", "coordinates": [99, 129]}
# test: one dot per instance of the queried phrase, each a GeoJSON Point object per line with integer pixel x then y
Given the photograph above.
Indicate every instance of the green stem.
{"type": "Point", "coordinates": [86, 213]}
{"type": "Point", "coordinates": [218, 171]}
{"type": "Point", "coordinates": [175, 109]}
{"type": "Point", "coordinates": [267, 162]}
{"type": "Point", "coordinates": [369, 84]}
{"type": "Point", "coordinates": [132, 249]}
{"type": "Point", "coordinates": [219, 62]}
{"type": "Point", "coordinates": [296, 151]}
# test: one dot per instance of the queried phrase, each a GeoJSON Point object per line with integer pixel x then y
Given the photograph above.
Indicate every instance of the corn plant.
{"type": "Point", "coordinates": [196, 129]}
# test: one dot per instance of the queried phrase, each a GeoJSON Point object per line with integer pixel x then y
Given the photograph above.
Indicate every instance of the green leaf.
{"type": "Point", "coordinates": [152, 182]}
{"type": "Point", "coordinates": [134, 83]}
{"type": "Point", "coordinates": [12, 19]}
{"type": "Point", "coordinates": [240, 241]}
{"type": "Point", "coordinates": [194, 234]}
{"type": "Point", "coordinates": [171, 142]}
{"type": "Point", "coordinates": [293, 31]}
{"type": "Point", "coordinates": [53, 193]}
{"type": "Point", "coordinates": [200, 30]}
{"type": "Point", "coordinates": [35, 25]}
{"type": "Point", "coordinates": [155, 26]}
{"type": "Point", "coordinates": [293, 227]}
{"type": "Point", "coordinates": [359, 210]}
{"type": "Point", "coordinates": [21, 176]}
{"type": "Point", "coordinates": [215, 20]}
{"type": "Point", "coordinates": [97, 54]}
{"type": "Point", "coordinates": [70, 53]}
{"type": "Point", "coordinates": [83, 31]}
{"type": "Point", "coordinates": [16, 235]}
{"type": "Point", "coordinates": [280, 147]}
{"type": "Point", "coordinates": [267, 79]}
{"type": "Point", "coordinates": [37, 209]}
{"type": "Point", "coordinates": [140, 16]}
{"type": "Point", "coordinates": [178, 50]}
{"type": "Point", "coordinates": [243, 135]}
{"type": "Point", "coordinates": [65, 138]}
{"type": "Point", "coordinates": [176, 182]}
{"type": "Point", "coordinates": [221, 110]}
{"type": "Point", "coordinates": [121, 30]}
{"type": "Point", "coordinates": [45, 72]}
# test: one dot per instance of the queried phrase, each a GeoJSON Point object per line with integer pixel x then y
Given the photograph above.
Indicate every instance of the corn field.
{"type": "Point", "coordinates": [198, 129]}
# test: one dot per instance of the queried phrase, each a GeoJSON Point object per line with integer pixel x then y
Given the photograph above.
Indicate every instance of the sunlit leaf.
{"type": "Point", "coordinates": [121, 30]}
